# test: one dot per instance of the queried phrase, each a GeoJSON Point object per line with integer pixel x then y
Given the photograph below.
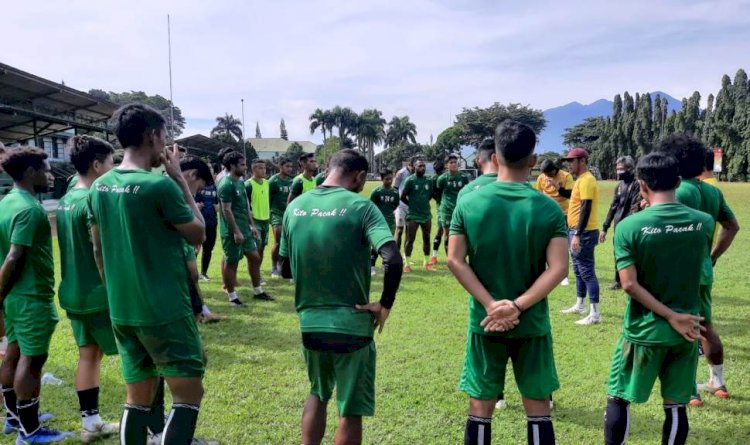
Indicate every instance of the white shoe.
{"type": "Point", "coordinates": [565, 282]}
{"type": "Point", "coordinates": [501, 404]}
{"type": "Point", "coordinates": [575, 309]}
{"type": "Point", "coordinates": [589, 320]}
{"type": "Point", "coordinates": [154, 439]}
{"type": "Point", "coordinates": [275, 276]}
{"type": "Point", "coordinates": [373, 272]}
{"type": "Point", "coordinates": [205, 278]}
{"type": "Point", "coordinates": [551, 404]}
{"type": "Point", "coordinates": [101, 431]}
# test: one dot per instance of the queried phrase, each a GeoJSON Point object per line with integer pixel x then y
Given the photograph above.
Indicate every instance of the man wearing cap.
{"type": "Point", "coordinates": [583, 234]}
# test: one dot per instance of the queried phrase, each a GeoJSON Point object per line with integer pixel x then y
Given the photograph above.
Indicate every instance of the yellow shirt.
{"type": "Point", "coordinates": [715, 183]}
{"type": "Point", "coordinates": [584, 188]}
{"type": "Point", "coordinates": [562, 178]}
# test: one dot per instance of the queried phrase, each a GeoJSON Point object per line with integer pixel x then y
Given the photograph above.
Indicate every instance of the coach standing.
{"type": "Point", "coordinates": [583, 234]}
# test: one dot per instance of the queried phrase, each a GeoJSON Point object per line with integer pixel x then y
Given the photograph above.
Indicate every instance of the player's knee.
{"type": "Point", "coordinates": [481, 408]}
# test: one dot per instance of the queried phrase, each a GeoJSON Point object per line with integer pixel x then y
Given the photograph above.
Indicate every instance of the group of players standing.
{"type": "Point", "coordinates": [126, 235]}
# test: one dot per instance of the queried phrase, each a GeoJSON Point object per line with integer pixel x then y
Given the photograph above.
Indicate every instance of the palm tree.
{"type": "Point", "coordinates": [400, 132]}
{"type": "Point", "coordinates": [344, 119]}
{"type": "Point", "coordinates": [318, 120]}
{"type": "Point", "coordinates": [370, 131]}
{"type": "Point", "coordinates": [228, 125]}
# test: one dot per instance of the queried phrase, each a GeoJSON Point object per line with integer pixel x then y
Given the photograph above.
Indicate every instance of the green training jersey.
{"type": "Point", "coordinates": [81, 289]}
{"type": "Point", "coordinates": [508, 226]}
{"type": "Point", "coordinates": [667, 244]}
{"type": "Point", "coordinates": [260, 198]}
{"type": "Point", "coordinates": [450, 185]}
{"type": "Point", "coordinates": [476, 184]}
{"type": "Point", "coordinates": [189, 251]}
{"type": "Point", "coordinates": [386, 200]}
{"type": "Point", "coordinates": [24, 222]}
{"type": "Point", "coordinates": [233, 192]}
{"type": "Point", "coordinates": [301, 185]}
{"type": "Point", "coordinates": [419, 191]}
{"type": "Point", "coordinates": [144, 261]}
{"type": "Point", "coordinates": [320, 178]}
{"type": "Point", "coordinates": [704, 197]}
{"type": "Point", "coordinates": [327, 235]}
{"type": "Point", "coordinates": [279, 190]}
{"type": "Point", "coordinates": [437, 194]}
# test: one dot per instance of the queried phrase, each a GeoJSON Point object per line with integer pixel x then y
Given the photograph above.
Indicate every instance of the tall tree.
{"type": "Point", "coordinates": [476, 123]}
{"type": "Point", "coordinates": [282, 130]}
{"type": "Point", "coordinates": [228, 125]}
{"type": "Point", "coordinates": [370, 131]}
{"type": "Point", "coordinates": [400, 132]}
{"type": "Point", "coordinates": [318, 122]}
{"type": "Point", "coordinates": [158, 102]}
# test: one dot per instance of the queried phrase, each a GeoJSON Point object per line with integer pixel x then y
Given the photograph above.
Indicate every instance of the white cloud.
{"type": "Point", "coordinates": [424, 58]}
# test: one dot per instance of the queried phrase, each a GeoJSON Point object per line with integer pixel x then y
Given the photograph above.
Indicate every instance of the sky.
{"type": "Point", "coordinates": [425, 59]}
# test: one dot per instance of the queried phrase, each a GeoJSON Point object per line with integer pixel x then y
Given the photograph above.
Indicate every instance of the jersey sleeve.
{"type": "Point", "coordinates": [408, 186]}
{"type": "Point", "coordinates": [90, 209]}
{"type": "Point", "coordinates": [440, 183]}
{"type": "Point", "coordinates": [374, 196]}
{"type": "Point", "coordinates": [248, 189]}
{"type": "Point", "coordinates": [172, 204]}
{"type": "Point", "coordinates": [587, 188]}
{"type": "Point", "coordinates": [457, 220]}
{"type": "Point", "coordinates": [25, 225]}
{"type": "Point", "coordinates": [284, 244]}
{"type": "Point", "coordinates": [624, 249]}
{"type": "Point", "coordinates": [725, 213]}
{"type": "Point", "coordinates": [376, 228]}
{"type": "Point", "coordinates": [297, 187]}
{"type": "Point", "coordinates": [225, 191]}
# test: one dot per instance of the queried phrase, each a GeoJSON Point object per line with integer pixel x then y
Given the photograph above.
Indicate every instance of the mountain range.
{"type": "Point", "coordinates": [566, 116]}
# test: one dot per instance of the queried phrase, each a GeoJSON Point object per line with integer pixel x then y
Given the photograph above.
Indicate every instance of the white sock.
{"type": "Point", "coordinates": [232, 295]}
{"type": "Point", "coordinates": [205, 310]}
{"type": "Point", "coordinates": [90, 422]}
{"type": "Point", "coordinates": [434, 253]}
{"type": "Point", "coordinates": [717, 375]}
{"type": "Point", "coordinates": [580, 303]}
{"type": "Point", "coordinates": [258, 290]}
{"type": "Point", "coordinates": [595, 309]}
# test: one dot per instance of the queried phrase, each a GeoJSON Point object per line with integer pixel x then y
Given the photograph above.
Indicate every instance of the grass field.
{"type": "Point", "coordinates": [256, 380]}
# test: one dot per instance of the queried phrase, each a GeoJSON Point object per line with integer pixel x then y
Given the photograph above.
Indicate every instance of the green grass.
{"type": "Point", "coordinates": [256, 381]}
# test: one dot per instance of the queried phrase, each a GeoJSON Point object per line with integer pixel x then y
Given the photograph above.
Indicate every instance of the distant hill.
{"type": "Point", "coordinates": [566, 116]}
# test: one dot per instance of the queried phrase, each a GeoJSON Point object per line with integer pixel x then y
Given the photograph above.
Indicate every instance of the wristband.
{"type": "Point", "coordinates": [517, 306]}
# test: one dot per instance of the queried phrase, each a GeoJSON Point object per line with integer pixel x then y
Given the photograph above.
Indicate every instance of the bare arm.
{"type": "Point", "coordinates": [194, 231]}
{"type": "Point", "coordinates": [10, 271]}
{"type": "Point", "coordinates": [685, 324]}
{"type": "Point", "coordinates": [226, 210]}
{"type": "Point", "coordinates": [728, 231]}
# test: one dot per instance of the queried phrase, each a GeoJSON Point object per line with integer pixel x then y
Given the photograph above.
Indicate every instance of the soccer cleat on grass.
{"type": "Point", "coordinates": [42, 435]}
{"type": "Point", "coordinates": [13, 426]}
{"type": "Point", "coordinates": [102, 431]}
{"type": "Point", "coordinates": [275, 275]}
{"type": "Point", "coordinates": [589, 320]}
{"type": "Point", "coordinates": [615, 286]}
{"type": "Point", "coordinates": [501, 404]}
{"type": "Point", "coordinates": [263, 296]}
{"type": "Point", "coordinates": [211, 318]}
{"type": "Point", "coordinates": [433, 260]}
{"type": "Point", "coordinates": [407, 268]}
{"type": "Point", "coordinates": [719, 391]}
{"type": "Point", "coordinates": [695, 401]}
{"type": "Point", "coordinates": [429, 267]}
{"type": "Point", "coordinates": [236, 303]}
{"type": "Point", "coordinates": [204, 277]}
{"type": "Point", "coordinates": [575, 309]}
{"type": "Point", "coordinates": [565, 282]}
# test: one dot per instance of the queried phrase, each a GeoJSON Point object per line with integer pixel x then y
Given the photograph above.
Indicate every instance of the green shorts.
{"type": "Point", "coordinates": [440, 220]}
{"type": "Point", "coordinates": [705, 292]}
{"type": "Point", "coordinates": [94, 329]}
{"type": "Point", "coordinates": [445, 219]}
{"type": "Point", "coordinates": [30, 322]}
{"type": "Point", "coordinates": [635, 369]}
{"type": "Point", "coordinates": [352, 374]}
{"type": "Point", "coordinates": [170, 350]}
{"type": "Point", "coordinates": [233, 252]}
{"type": "Point", "coordinates": [486, 362]}
{"type": "Point", "coordinates": [277, 218]}
{"type": "Point", "coordinates": [263, 228]}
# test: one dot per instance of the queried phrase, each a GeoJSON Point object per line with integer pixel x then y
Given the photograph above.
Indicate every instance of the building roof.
{"type": "Point", "coordinates": [31, 105]}
{"type": "Point", "coordinates": [279, 145]}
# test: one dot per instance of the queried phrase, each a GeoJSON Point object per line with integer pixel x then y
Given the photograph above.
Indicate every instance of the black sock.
{"type": "Point", "coordinates": [436, 243]}
{"type": "Point", "coordinates": [88, 399]}
{"type": "Point", "coordinates": [373, 257]}
{"type": "Point", "coordinates": [478, 428]}
{"type": "Point", "coordinates": [676, 426]}
{"type": "Point", "coordinates": [501, 396]}
{"type": "Point", "coordinates": [28, 415]}
{"type": "Point", "coordinates": [9, 397]}
{"type": "Point", "coordinates": [156, 413]}
{"type": "Point", "coordinates": [616, 421]}
{"type": "Point", "coordinates": [181, 425]}
{"type": "Point", "coordinates": [134, 424]}
{"type": "Point", "coordinates": [539, 430]}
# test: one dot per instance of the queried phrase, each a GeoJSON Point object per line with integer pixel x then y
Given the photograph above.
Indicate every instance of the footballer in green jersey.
{"type": "Point", "coordinates": [336, 316]}
{"type": "Point", "coordinates": [508, 310]}
{"type": "Point", "coordinates": [439, 167]}
{"type": "Point", "coordinates": [305, 181]}
{"type": "Point", "coordinates": [417, 194]}
{"type": "Point", "coordinates": [386, 199]}
{"type": "Point", "coordinates": [280, 185]}
{"type": "Point", "coordinates": [450, 184]}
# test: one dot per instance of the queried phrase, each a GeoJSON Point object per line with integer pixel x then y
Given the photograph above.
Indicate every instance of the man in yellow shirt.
{"type": "Point", "coordinates": [583, 233]}
{"type": "Point", "coordinates": [708, 177]}
{"type": "Point", "coordinates": [555, 183]}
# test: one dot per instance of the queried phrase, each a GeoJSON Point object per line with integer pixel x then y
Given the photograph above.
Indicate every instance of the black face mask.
{"type": "Point", "coordinates": [625, 176]}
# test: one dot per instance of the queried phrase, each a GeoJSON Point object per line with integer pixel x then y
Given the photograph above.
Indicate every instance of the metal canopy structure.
{"type": "Point", "coordinates": [32, 107]}
{"type": "Point", "coordinates": [202, 146]}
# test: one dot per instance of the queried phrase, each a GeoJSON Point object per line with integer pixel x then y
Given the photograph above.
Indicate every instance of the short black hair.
{"type": "Point", "coordinates": [223, 152]}
{"type": "Point", "coordinates": [231, 158]}
{"type": "Point", "coordinates": [659, 170]}
{"type": "Point", "coordinates": [203, 171]}
{"type": "Point", "coordinates": [283, 161]}
{"type": "Point", "coordinates": [131, 121]}
{"type": "Point", "coordinates": [548, 165]}
{"type": "Point", "coordinates": [305, 156]}
{"type": "Point", "coordinates": [16, 161]}
{"type": "Point", "coordinates": [709, 160]}
{"type": "Point", "coordinates": [514, 142]}
{"type": "Point", "coordinates": [386, 172]}
{"type": "Point", "coordinates": [84, 150]}
{"type": "Point", "coordinates": [485, 150]}
{"type": "Point", "coordinates": [439, 166]}
{"type": "Point", "coordinates": [258, 161]}
{"type": "Point", "coordinates": [349, 161]}
{"type": "Point", "coordinates": [413, 159]}
{"type": "Point", "coordinates": [689, 152]}
{"type": "Point", "coordinates": [451, 157]}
